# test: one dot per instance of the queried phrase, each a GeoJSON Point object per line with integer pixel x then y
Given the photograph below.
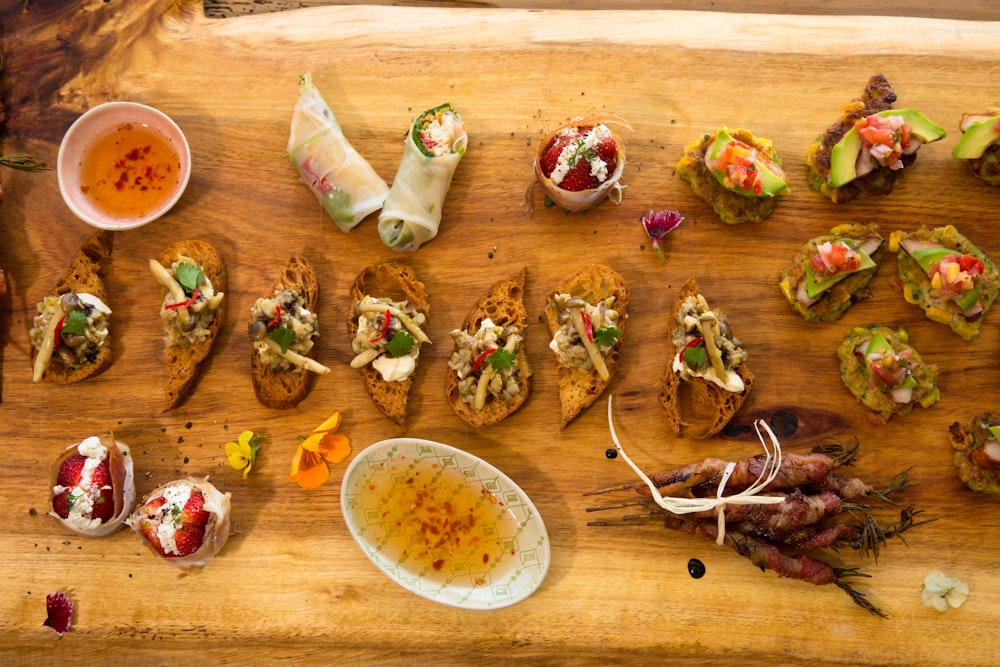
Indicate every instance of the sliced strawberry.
{"type": "Point", "coordinates": [71, 470]}
{"type": "Point", "coordinates": [551, 156]}
{"type": "Point", "coordinates": [579, 178]}
{"type": "Point", "coordinates": [70, 473]}
{"type": "Point", "coordinates": [194, 519]}
{"type": "Point", "coordinates": [190, 524]}
{"type": "Point", "coordinates": [607, 150]}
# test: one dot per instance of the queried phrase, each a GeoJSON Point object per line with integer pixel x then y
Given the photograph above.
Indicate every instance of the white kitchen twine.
{"type": "Point", "coordinates": [772, 463]}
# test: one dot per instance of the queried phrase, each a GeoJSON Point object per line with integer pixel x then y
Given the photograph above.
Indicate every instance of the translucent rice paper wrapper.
{"type": "Point", "coordinates": [411, 214]}
{"type": "Point", "coordinates": [122, 488]}
{"type": "Point", "coordinates": [216, 532]}
{"type": "Point", "coordinates": [343, 181]}
{"type": "Point", "coordinates": [582, 200]}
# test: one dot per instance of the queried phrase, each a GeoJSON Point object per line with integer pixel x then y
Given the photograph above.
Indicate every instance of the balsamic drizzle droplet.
{"type": "Point", "coordinates": [696, 568]}
{"type": "Point", "coordinates": [611, 453]}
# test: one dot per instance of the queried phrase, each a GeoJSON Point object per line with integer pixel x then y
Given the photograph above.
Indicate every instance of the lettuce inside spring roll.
{"type": "Point", "coordinates": [434, 146]}
{"type": "Point", "coordinates": [342, 180]}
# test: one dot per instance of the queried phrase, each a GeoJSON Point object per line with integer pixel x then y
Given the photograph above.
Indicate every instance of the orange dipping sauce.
{"type": "Point", "coordinates": [130, 172]}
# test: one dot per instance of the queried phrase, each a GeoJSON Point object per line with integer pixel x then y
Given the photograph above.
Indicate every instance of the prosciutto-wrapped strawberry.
{"type": "Point", "coordinates": [185, 521]}
{"type": "Point", "coordinates": [580, 164]}
{"type": "Point", "coordinates": [93, 487]}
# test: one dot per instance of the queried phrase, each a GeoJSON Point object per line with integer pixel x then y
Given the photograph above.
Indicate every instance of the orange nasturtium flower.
{"type": "Point", "coordinates": [322, 446]}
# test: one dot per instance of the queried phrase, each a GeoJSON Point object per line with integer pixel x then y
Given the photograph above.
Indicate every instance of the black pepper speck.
{"type": "Point", "coordinates": [611, 453]}
{"type": "Point", "coordinates": [696, 568]}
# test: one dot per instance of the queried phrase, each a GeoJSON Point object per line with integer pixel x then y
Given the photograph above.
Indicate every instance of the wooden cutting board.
{"type": "Point", "coordinates": [291, 584]}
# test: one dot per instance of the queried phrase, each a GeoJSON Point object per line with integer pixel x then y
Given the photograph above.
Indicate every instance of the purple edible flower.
{"type": "Point", "coordinates": [658, 224]}
{"type": "Point", "coordinates": [60, 612]}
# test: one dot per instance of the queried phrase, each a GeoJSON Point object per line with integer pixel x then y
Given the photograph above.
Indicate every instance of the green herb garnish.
{"type": "Point", "coordinates": [695, 356]}
{"type": "Point", "coordinates": [400, 344]}
{"type": "Point", "coordinates": [606, 336]}
{"type": "Point", "coordinates": [502, 359]}
{"type": "Point", "coordinates": [283, 336]}
{"type": "Point", "coordinates": [189, 276]}
{"type": "Point", "coordinates": [76, 322]}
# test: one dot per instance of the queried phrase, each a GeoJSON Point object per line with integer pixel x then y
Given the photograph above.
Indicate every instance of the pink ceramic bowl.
{"type": "Point", "coordinates": [107, 170]}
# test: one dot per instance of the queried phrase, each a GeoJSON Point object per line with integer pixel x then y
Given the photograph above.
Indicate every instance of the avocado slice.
{"type": "Point", "coordinates": [994, 431]}
{"type": "Point", "coordinates": [844, 155]}
{"type": "Point", "coordinates": [772, 185]}
{"type": "Point", "coordinates": [980, 136]}
{"type": "Point", "coordinates": [928, 258]}
{"type": "Point", "coordinates": [816, 287]}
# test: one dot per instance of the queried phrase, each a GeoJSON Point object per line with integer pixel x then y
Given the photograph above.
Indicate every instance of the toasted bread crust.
{"type": "Point", "coordinates": [580, 387]}
{"type": "Point", "coordinates": [286, 388]}
{"type": "Point", "coordinates": [504, 305]}
{"type": "Point", "coordinates": [698, 404]}
{"type": "Point", "coordinates": [183, 361]}
{"type": "Point", "coordinates": [86, 274]}
{"type": "Point", "coordinates": [399, 283]}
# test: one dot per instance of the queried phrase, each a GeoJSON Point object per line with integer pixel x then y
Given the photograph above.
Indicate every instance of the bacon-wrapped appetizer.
{"type": "Point", "coordinates": [434, 146]}
{"type": "Point", "coordinates": [977, 452]}
{"type": "Point", "coordinates": [949, 277]}
{"type": "Point", "coordinates": [185, 521]}
{"type": "Point", "coordinates": [738, 174]}
{"type": "Point", "coordinates": [980, 144]}
{"type": "Point", "coordinates": [342, 180]}
{"type": "Point", "coordinates": [580, 164]}
{"type": "Point", "coordinates": [864, 152]}
{"type": "Point", "coordinates": [830, 272]}
{"type": "Point", "coordinates": [885, 373]}
{"type": "Point", "coordinates": [93, 487]}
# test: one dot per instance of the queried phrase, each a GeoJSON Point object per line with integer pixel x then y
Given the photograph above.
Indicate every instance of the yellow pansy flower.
{"type": "Point", "coordinates": [243, 453]}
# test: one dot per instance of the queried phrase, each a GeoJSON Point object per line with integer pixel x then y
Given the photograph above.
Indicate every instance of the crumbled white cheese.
{"type": "Point", "coordinates": [173, 496]}
{"type": "Point", "coordinates": [576, 150]}
{"type": "Point", "coordinates": [82, 506]}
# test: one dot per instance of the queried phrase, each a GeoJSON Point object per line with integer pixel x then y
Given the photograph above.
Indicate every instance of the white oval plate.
{"type": "Point", "coordinates": [510, 578]}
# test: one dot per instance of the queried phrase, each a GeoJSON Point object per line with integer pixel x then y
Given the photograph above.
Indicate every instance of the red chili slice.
{"type": "Point", "coordinates": [481, 358]}
{"type": "Point", "coordinates": [587, 326]}
{"type": "Point", "coordinates": [184, 304]}
{"type": "Point", "coordinates": [385, 327]}
{"type": "Point", "coordinates": [276, 320]}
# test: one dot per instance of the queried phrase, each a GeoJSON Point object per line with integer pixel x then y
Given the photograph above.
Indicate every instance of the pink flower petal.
{"type": "Point", "coordinates": [60, 612]}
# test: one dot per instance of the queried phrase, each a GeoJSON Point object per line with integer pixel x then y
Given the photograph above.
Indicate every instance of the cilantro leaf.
{"type": "Point", "coordinates": [696, 356]}
{"type": "Point", "coordinates": [502, 359]}
{"type": "Point", "coordinates": [76, 322]}
{"type": "Point", "coordinates": [283, 336]}
{"type": "Point", "coordinates": [189, 276]}
{"type": "Point", "coordinates": [400, 344]}
{"type": "Point", "coordinates": [606, 336]}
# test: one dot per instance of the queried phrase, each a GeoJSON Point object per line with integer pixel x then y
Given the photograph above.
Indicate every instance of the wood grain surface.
{"type": "Point", "coordinates": [291, 585]}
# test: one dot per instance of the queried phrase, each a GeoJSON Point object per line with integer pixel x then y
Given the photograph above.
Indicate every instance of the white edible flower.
{"type": "Point", "coordinates": [941, 591]}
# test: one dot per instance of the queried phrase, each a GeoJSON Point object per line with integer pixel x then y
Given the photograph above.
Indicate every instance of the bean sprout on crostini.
{"type": "Point", "coordinates": [772, 463]}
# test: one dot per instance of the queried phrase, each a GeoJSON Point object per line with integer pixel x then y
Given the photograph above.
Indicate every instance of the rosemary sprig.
{"type": "Point", "coordinates": [23, 162]}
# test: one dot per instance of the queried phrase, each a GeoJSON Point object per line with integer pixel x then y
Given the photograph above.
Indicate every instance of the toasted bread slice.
{"type": "Point", "coordinates": [503, 305]}
{"type": "Point", "coordinates": [182, 356]}
{"type": "Point", "coordinates": [282, 389]}
{"type": "Point", "coordinates": [580, 385]}
{"type": "Point", "coordinates": [86, 274]}
{"type": "Point", "coordinates": [695, 402]}
{"type": "Point", "coordinates": [398, 282]}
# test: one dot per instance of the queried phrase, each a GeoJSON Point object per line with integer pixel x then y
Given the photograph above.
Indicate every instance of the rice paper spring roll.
{"type": "Point", "coordinates": [434, 146]}
{"type": "Point", "coordinates": [342, 180]}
